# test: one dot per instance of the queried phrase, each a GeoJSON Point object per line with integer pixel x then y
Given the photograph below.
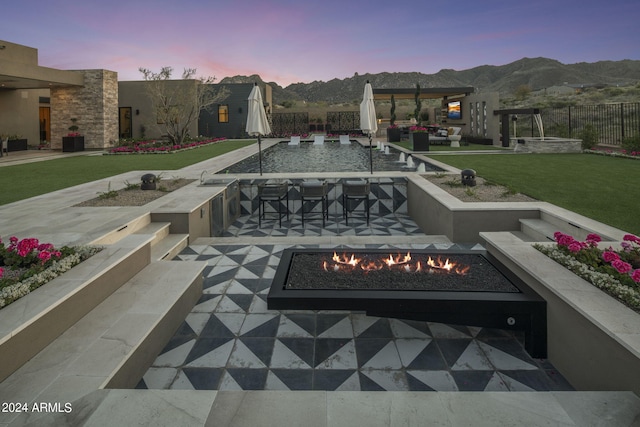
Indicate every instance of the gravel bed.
{"type": "Point", "coordinates": [482, 192]}
{"type": "Point", "coordinates": [136, 196]}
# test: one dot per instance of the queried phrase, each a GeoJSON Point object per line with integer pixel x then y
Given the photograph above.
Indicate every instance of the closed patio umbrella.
{"type": "Point", "coordinates": [368, 121]}
{"type": "Point", "coordinates": [257, 123]}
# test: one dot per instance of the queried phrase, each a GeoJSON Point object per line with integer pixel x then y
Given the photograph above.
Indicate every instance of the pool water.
{"type": "Point", "coordinates": [328, 157]}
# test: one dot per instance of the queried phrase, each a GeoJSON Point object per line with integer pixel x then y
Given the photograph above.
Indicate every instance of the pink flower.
{"type": "Point", "coordinates": [44, 256]}
{"type": "Point", "coordinates": [610, 256]}
{"type": "Point", "coordinates": [631, 238]}
{"type": "Point", "coordinates": [45, 246]}
{"type": "Point", "coordinates": [636, 275]}
{"type": "Point", "coordinates": [566, 240]}
{"type": "Point", "coordinates": [25, 246]}
{"type": "Point", "coordinates": [575, 247]}
{"type": "Point", "coordinates": [2, 271]}
{"type": "Point", "coordinates": [593, 238]}
{"type": "Point", "coordinates": [621, 266]}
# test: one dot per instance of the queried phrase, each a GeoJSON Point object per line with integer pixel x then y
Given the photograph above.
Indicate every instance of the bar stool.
{"type": "Point", "coordinates": [355, 190]}
{"type": "Point", "coordinates": [315, 191]}
{"type": "Point", "coordinates": [273, 192]}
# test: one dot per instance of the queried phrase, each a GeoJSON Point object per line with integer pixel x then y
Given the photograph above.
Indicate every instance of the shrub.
{"type": "Point", "coordinates": [631, 143]}
{"type": "Point", "coordinates": [590, 136]}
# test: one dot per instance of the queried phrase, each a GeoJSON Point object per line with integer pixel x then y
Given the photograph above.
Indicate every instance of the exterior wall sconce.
{"type": "Point", "coordinates": [240, 110]}
{"type": "Point", "coordinates": [137, 112]}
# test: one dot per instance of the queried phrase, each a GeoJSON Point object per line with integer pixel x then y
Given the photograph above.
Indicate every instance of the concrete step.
{"type": "Point", "coordinates": [159, 230]}
{"type": "Point", "coordinates": [31, 323]}
{"type": "Point", "coordinates": [123, 231]}
{"type": "Point", "coordinates": [538, 230]}
{"type": "Point", "coordinates": [542, 230]}
{"type": "Point", "coordinates": [337, 408]}
{"type": "Point", "coordinates": [115, 343]}
{"type": "Point", "coordinates": [169, 247]}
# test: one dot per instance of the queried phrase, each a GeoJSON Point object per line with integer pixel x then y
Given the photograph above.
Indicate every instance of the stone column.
{"type": "Point", "coordinates": [94, 105]}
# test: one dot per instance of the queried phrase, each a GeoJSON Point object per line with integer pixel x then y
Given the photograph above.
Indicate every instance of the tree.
{"type": "Point", "coordinates": [522, 92]}
{"type": "Point", "coordinates": [416, 113]}
{"type": "Point", "coordinates": [392, 121]}
{"type": "Point", "coordinates": [178, 103]}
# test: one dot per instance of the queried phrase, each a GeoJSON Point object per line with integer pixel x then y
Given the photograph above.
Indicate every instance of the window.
{"type": "Point", "coordinates": [223, 114]}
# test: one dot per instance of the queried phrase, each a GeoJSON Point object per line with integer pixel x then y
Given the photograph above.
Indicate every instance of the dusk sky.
{"type": "Point", "coordinates": [290, 41]}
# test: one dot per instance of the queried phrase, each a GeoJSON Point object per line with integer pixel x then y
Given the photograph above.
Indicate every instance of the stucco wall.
{"type": "Point", "coordinates": [144, 120]}
{"type": "Point", "coordinates": [19, 113]}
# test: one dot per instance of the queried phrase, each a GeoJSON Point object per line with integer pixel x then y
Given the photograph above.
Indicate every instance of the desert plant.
{"type": "Point", "coordinates": [631, 143]}
{"type": "Point", "coordinates": [179, 105]}
{"type": "Point", "coordinates": [109, 194]}
{"type": "Point", "coordinates": [589, 135]}
{"type": "Point", "coordinates": [131, 186]}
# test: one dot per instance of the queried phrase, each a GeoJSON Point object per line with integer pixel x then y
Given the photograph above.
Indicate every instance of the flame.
{"type": "Point", "coordinates": [403, 262]}
{"type": "Point", "coordinates": [397, 260]}
{"type": "Point", "coordinates": [353, 261]}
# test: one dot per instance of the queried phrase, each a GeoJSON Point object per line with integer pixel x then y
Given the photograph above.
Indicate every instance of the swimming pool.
{"type": "Point", "coordinates": [328, 157]}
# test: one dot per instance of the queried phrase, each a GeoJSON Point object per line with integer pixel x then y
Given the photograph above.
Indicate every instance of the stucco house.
{"type": "Point", "coordinates": [40, 104]}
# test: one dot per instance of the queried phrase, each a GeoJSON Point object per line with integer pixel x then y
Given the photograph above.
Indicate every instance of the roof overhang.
{"type": "Point", "coordinates": [22, 76]}
{"type": "Point", "coordinates": [517, 111]}
{"type": "Point", "coordinates": [425, 93]}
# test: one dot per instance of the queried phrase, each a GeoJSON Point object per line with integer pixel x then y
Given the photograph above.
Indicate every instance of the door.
{"type": "Point", "coordinates": [45, 124]}
{"type": "Point", "coordinates": [125, 122]}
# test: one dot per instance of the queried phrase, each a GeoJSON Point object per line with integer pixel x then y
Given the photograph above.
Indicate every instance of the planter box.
{"type": "Point", "coordinates": [419, 141]}
{"type": "Point", "coordinates": [34, 321]}
{"type": "Point", "coordinates": [16, 145]}
{"type": "Point", "coordinates": [72, 143]}
{"type": "Point", "coordinates": [593, 340]}
{"type": "Point", "coordinates": [394, 134]}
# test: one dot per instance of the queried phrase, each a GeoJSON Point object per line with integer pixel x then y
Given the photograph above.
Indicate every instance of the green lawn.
{"type": "Point", "coordinates": [599, 187]}
{"type": "Point", "coordinates": [32, 179]}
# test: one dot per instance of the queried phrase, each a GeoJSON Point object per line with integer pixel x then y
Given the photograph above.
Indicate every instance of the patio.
{"type": "Point", "coordinates": [231, 341]}
{"type": "Point", "coordinates": [233, 362]}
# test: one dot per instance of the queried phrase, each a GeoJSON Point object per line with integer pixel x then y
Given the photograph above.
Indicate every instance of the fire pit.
{"type": "Point", "coordinates": [456, 287]}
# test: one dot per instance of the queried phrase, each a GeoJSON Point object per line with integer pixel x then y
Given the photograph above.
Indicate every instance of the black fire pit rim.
{"type": "Point", "coordinates": [504, 310]}
{"type": "Point", "coordinates": [282, 273]}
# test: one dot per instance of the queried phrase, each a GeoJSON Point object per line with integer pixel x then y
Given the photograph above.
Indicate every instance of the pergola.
{"type": "Point", "coordinates": [425, 93]}
{"type": "Point", "coordinates": [504, 117]}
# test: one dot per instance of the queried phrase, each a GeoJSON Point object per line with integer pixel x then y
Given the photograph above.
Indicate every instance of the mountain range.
{"type": "Point", "coordinates": [536, 73]}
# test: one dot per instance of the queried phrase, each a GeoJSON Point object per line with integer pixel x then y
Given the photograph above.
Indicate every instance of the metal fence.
{"type": "Point", "coordinates": [613, 122]}
{"type": "Point", "coordinates": [343, 121]}
{"type": "Point", "coordinates": [287, 124]}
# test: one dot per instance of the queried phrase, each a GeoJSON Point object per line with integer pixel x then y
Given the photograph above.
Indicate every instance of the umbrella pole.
{"type": "Point", "coordinates": [260, 154]}
{"type": "Point", "coordinates": [370, 155]}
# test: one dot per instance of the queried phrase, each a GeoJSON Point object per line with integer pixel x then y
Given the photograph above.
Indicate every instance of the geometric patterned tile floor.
{"type": "Point", "coordinates": [388, 225]}
{"type": "Point", "coordinates": [231, 341]}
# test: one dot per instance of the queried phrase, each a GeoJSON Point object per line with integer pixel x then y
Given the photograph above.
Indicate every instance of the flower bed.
{"type": "Point", "coordinates": [616, 153]}
{"type": "Point", "coordinates": [616, 272]}
{"type": "Point", "coordinates": [27, 264]}
{"type": "Point", "coordinates": [154, 146]}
